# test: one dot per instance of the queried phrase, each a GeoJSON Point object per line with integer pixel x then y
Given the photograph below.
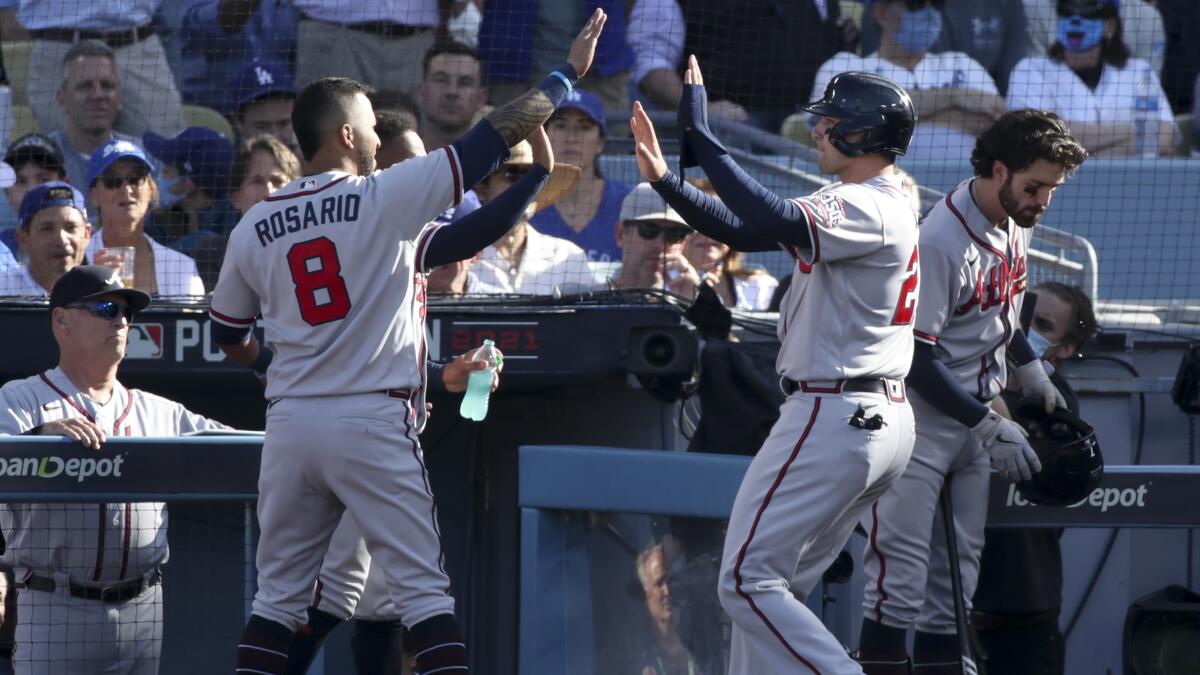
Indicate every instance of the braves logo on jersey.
{"type": "Point", "coordinates": [1004, 282]}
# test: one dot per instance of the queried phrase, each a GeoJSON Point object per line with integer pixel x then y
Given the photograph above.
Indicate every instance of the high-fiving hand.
{"type": "Point", "coordinates": [649, 155]}
{"type": "Point", "coordinates": [583, 49]}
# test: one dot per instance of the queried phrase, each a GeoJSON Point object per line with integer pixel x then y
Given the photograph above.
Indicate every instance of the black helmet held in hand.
{"type": "Point", "coordinates": [871, 104]}
{"type": "Point", "coordinates": [1072, 465]}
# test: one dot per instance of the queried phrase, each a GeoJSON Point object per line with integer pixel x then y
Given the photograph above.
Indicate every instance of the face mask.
{"type": "Point", "coordinates": [1039, 343]}
{"type": "Point", "coordinates": [166, 198]}
{"type": "Point", "coordinates": [1077, 34]}
{"type": "Point", "coordinates": [919, 29]}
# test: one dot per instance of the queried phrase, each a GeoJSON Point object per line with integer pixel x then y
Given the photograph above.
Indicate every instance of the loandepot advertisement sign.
{"type": "Point", "coordinates": [79, 468]}
{"type": "Point", "coordinates": [1101, 498]}
{"type": "Point", "coordinates": [1152, 496]}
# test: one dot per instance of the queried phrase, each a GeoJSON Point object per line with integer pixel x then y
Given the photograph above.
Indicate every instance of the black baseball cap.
{"type": "Point", "coordinates": [88, 282]}
{"type": "Point", "coordinates": [35, 148]}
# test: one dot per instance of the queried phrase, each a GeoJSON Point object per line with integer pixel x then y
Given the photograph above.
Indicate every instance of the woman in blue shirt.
{"type": "Point", "coordinates": [589, 214]}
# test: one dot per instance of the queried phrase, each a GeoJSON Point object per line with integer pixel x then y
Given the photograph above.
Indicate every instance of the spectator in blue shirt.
{"type": "Point", "coordinates": [586, 215]}
{"type": "Point", "coordinates": [151, 100]}
{"type": "Point", "coordinates": [226, 35]}
{"type": "Point", "coordinates": [263, 97]}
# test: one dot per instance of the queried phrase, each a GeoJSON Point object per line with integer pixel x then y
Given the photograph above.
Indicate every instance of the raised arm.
{"type": "Point", "coordinates": [762, 211]}
{"type": "Point", "coordinates": [477, 230]}
{"type": "Point", "coordinates": [703, 213]}
{"type": "Point", "coordinates": [486, 145]}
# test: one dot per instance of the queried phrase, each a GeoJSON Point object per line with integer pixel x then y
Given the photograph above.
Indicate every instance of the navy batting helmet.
{"type": "Point", "coordinates": [1072, 465]}
{"type": "Point", "coordinates": [871, 104]}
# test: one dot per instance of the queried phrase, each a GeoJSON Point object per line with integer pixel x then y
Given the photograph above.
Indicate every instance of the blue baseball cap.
{"type": "Point", "coordinates": [589, 104]}
{"type": "Point", "coordinates": [104, 156]}
{"type": "Point", "coordinates": [48, 195]}
{"type": "Point", "coordinates": [200, 153]}
{"type": "Point", "coordinates": [258, 79]}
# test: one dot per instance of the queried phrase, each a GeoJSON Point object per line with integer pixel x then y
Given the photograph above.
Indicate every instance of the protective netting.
{"type": "Point", "coordinates": [192, 91]}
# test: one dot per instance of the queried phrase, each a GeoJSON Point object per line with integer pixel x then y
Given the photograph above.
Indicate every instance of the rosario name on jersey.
{"type": "Point", "coordinates": [333, 263]}
{"type": "Point", "coordinates": [972, 285]}
{"type": "Point", "coordinates": [849, 310]}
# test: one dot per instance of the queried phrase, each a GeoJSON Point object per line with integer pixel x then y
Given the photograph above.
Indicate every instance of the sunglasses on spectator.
{"type": "Point", "coordinates": [104, 309]}
{"type": "Point", "coordinates": [648, 230]}
{"type": "Point", "coordinates": [118, 182]}
{"type": "Point", "coordinates": [914, 5]}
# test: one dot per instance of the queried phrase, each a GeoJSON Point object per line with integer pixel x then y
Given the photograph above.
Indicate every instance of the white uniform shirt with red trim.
{"type": "Point", "coordinates": [333, 263]}
{"type": "Point", "coordinates": [848, 312]}
{"type": "Point", "coordinates": [973, 279]}
{"type": "Point", "coordinates": [89, 542]}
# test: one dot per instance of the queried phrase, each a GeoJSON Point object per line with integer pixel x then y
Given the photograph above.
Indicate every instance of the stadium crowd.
{"type": "Point", "coordinates": [164, 111]}
{"type": "Point", "coordinates": [137, 132]}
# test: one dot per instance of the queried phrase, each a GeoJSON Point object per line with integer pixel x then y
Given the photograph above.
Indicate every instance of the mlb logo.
{"type": "Point", "coordinates": [145, 341]}
{"type": "Point", "coordinates": [308, 184]}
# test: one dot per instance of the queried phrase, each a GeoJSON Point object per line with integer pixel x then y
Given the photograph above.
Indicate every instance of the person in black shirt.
{"type": "Point", "coordinates": [1017, 601]}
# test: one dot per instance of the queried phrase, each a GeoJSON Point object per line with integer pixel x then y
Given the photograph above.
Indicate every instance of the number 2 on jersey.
{"type": "Point", "coordinates": [316, 307]}
{"type": "Point", "coordinates": [907, 304]}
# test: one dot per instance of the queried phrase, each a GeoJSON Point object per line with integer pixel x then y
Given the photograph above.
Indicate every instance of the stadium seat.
{"type": "Point", "coordinates": [200, 116]}
{"type": "Point", "coordinates": [16, 64]}
{"type": "Point", "coordinates": [23, 122]}
{"type": "Point", "coordinates": [795, 128]}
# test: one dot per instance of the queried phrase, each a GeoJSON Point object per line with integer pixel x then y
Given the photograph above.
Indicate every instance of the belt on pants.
{"type": "Point", "coordinates": [386, 29]}
{"type": "Point", "coordinates": [894, 389]}
{"type": "Point", "coordinates": [121, 591]}
{"type": "Point", "coordinates": [114, 39]}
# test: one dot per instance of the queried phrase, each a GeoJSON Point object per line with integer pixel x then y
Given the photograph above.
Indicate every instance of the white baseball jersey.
{"type": "Point", "coordinates": [849, 310]}
{"type": "Point", "coordinates": [332, 262]}
{"type": "Point", "coordinates": [1041, 82]}
{"type": "Point", "coordinates": [89, 542]}
{"type": "Point", "coordinates": [973, 279]}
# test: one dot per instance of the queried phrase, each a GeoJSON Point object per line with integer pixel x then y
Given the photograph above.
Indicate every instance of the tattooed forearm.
{"type": "Point", "coordinates": [517, 119]}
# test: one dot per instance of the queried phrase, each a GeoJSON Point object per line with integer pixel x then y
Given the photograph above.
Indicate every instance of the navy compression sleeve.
{"type": "Point", "coordinates": [1020, 349]}
{"type": "Point", "coordinates": [480, 151]}
{"type": "Point", "coordinates": [478, 229]}
{"type": "Point", "coordinates": [709, 216]}
{"type": "Point", "coordinates": [930, 377]}
{"type": "Point", "coordinates": [763, 211]}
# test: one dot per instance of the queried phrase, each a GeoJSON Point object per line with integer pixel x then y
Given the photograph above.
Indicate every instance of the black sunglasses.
{"type": "Point", "coordinates": [117, 182]}
{"type": "Point", "coordinates": [648, 229]}
{"type": "Point", "coordinates": [104, 309]}
{"type": "Point", "coordinates": [914, 5]}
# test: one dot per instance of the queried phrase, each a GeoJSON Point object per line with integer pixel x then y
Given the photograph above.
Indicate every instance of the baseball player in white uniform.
{"type": "Point", "coordinates": [349, 585]}
{"type": "Point", "coordinates": [845, 430]}
{"type": "Point", "coordinates": [89, 593]}
{"type": "Point", "coordinates": [332, 262]}
{"type": "Point", "coordinates": [974, 270]}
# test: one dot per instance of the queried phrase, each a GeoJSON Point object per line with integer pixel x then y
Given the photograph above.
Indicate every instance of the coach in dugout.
{"type": "Point", "coordinates": [89, 588]}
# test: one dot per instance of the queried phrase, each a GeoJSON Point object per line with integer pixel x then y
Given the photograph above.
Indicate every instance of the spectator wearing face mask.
{"type": "Point", "coordinates": [953, 94]}
{"type": "Point", "coordinates": [1017, 602]}
{"type": "Point", "coordinates": [1090, 78]}
{"type": "Point", "coordinates": [195, 176]}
